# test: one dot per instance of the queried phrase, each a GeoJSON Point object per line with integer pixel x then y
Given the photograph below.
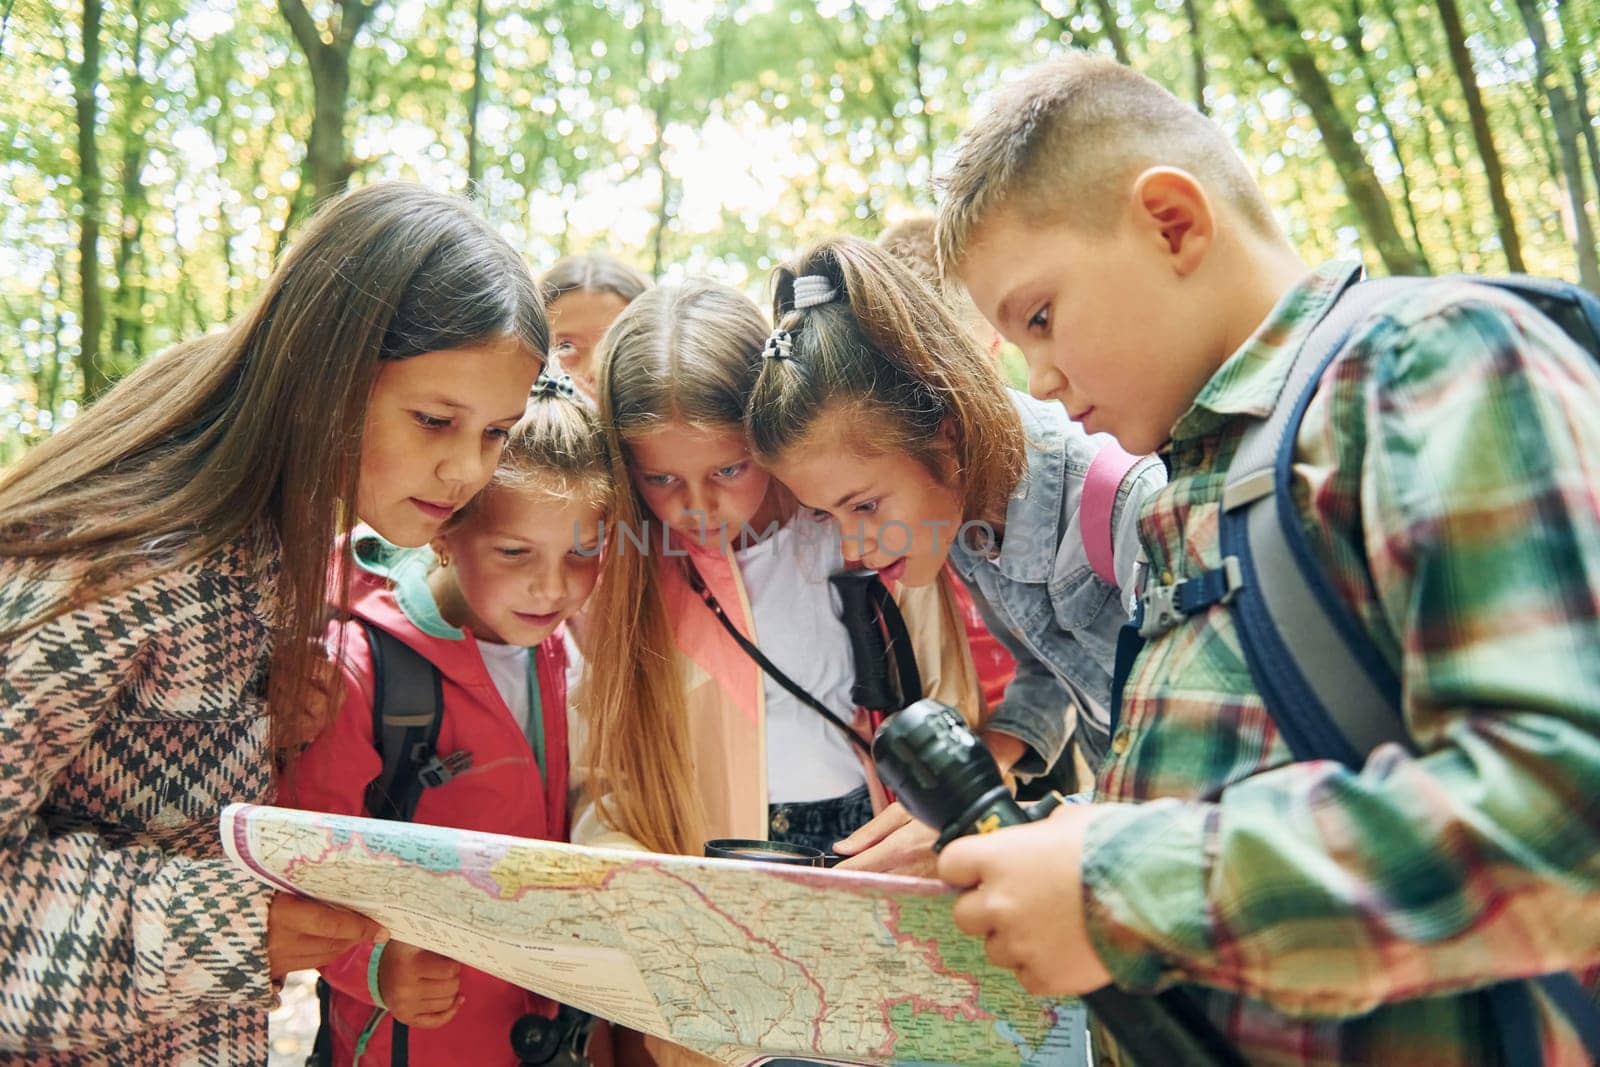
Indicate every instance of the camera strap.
{"type": "Point", "coordinates": [794, 688]}
{"type": "Point", "coordinates": [887, 678]}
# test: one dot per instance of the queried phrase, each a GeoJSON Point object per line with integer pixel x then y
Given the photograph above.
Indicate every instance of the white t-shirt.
{"type": "Point", "coordinates": [508, 665]}
{"type": "Point", "coordinates": [797, 627]}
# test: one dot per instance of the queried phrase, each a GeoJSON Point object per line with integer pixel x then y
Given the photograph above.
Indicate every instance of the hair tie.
{"type": "Point", "coordinates": [779, 346]}
{"type": "Point", "coordinates": [559, 385]}
{"type": "Point", "coordinates": [811, 290]}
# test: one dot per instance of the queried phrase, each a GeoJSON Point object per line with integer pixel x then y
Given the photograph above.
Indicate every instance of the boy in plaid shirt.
{"type": "Point", "coordinates": [1448, 475]}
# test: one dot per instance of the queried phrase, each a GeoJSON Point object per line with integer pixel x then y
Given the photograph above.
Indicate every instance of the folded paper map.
{"type": "Point", "coordinates": [745, 962]}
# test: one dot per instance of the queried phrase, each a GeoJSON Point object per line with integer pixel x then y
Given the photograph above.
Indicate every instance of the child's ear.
{"type": "Point", "coordinates": [947, 445]}
{"type": "Point", "coordinates": [441, 551]}
{"type": "Point", "coordinates": [1171, 206]}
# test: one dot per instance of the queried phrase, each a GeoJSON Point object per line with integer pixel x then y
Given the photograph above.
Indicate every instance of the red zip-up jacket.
{"type": "Point", "coordinates": [502, 792]}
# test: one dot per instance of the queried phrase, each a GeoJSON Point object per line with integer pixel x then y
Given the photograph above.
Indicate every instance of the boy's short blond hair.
{"type": "Point", "coordinates": [1064, 142]}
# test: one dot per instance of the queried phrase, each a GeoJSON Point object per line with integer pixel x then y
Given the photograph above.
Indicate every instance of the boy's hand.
{"type": "Point", "coordinates": [421, 988]}
{"type": "Point", "coordinates": [1024, 897]}
{"type": "Point", "coordinates": [893, 843]}
{"type": "Point", "coordinates": [303, 933]}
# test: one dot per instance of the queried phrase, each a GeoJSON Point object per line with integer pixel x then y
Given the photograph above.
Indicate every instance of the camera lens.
{"type": "Point", "coordinates": [940, 770]}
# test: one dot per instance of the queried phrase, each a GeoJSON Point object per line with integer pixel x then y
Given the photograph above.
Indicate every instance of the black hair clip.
{"type": "Point", "coordinates": [779, 346]}
{"type": "Point", "coordinates": [555, 385]}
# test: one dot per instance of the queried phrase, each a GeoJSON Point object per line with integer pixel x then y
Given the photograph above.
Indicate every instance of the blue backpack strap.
{"type": "Point", "coordinates": [1302, 642]}
{"type": "Point", "coordinates": [1307, 639]}
{"type": "Point", "coordinates": [1329, 691]}
{"type": "Point", "coordinates": [1575, 310]}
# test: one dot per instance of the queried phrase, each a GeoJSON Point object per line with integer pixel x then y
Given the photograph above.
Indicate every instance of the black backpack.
{"type": "Point", "coordinates": [1328, 690]}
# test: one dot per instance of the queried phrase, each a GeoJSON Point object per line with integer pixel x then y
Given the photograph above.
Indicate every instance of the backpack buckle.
{"type": "Point", "coordinates": [1161, 611]}
{"type": "Point", "coordinates": [1165, 606]}
{"type": "Point", "coordinates": [436, 772]}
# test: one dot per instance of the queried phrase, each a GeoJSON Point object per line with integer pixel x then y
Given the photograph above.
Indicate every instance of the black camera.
{"type": "Point", "coordinates": [944, 775]}
{"type": "Point", "coordinates": [946, 778]}
{"type": "Point", "coordinates": [561, 1041]}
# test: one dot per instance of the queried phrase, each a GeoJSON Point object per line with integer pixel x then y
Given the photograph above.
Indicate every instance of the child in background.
{"type": "Point", "coordinates": [883, 415]}
{"type": "Point", "coordinates": [911, 242]}
{"type": "Point", "coordinates": [155, 550]}
{"type": "Point", "coordinates": [692, 740]}
{"type": "Point", "coordinates": [583, 296]}
{"type": "Point", "coordinates": [1444, 474]}
{"type": "Point", "coordinates": [485, 608]}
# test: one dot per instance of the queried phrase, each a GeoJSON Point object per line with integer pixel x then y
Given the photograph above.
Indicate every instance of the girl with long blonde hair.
{"type": "Point", "coordinates": [692, 736]}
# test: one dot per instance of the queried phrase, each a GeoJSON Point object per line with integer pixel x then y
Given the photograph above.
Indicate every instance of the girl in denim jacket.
{"type": "Point", "coordinates": [876, 408]}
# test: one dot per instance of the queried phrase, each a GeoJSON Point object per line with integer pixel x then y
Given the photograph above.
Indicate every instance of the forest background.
{"type": "Point", "coordinates": [156, 155]}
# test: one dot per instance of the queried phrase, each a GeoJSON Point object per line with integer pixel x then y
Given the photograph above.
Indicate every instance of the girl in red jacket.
{"type": "Point", "coordinates": [485, 606]}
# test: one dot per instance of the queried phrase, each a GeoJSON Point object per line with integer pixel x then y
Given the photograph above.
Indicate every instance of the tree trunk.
{"type": "Point", "coordinates": [1360, 182]}
{"type": "Point", "coordinates": [1354, 36]}
{"type": "Point", "coordinates": [1591, 143]}
{"type": "Point", "coordinates": [92, 317]}
{"type": "Point", "coordinates": [1586, 122]}
{"type": "Point", "coordinates": [925, 110]}
{"type": "Point", "coordinates": [1461, 60]}
{"type": "Point", "coordinates": [660, 91]}
{"type": "Point", "coordinates": [529, 180]}
{"type": "Point", "coordinates": [326, 169]}
{"type": "Point", "coordinates": [658, 239]}
{"type": "Point", "coordinates": [5, 23]}
{"type": "Point", "coordinates": [127, 328]}
{"type": "Point", "coordinates": [474, 161]}
{"type": "Point", "coordinates": [1197, 50]}
{"type": "Point", "coordinates": [1425, 126]}
{"type": "Point", "coordinates": [1546, 150]}
{"type": "Point", "coordinates": [564, 234]}
{"type": "Point", "coordinates": [1567, 143]}
{"type": "Point", "coordinates": [217, 130]}
{"type": "Point", "coordinates": [53, 401]}
{"type": "Point", "coordinates": [1113, 32]}
{"type": "Point", "coordinates": [1580, 90]}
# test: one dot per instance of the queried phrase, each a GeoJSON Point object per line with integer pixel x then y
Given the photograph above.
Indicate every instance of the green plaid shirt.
{"type": "Point", "coordinates": [1448, 471]}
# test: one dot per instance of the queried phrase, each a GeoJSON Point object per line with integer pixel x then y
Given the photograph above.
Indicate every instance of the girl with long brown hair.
{"type": "Point", "coordinates": [154, 552]}
{"type": "Point", "coordinates": [887, 417]}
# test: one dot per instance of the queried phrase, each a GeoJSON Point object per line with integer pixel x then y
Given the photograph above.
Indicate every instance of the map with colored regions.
{"type": "Point", "coordinates": [746, 962]}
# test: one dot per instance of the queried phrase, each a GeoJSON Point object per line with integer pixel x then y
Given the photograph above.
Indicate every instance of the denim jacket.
{"type": "Point", "coordinates": [1042, 599]}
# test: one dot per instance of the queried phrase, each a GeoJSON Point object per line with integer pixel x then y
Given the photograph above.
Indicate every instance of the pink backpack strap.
{"type": "Point", "coordinates": [1110, 465]}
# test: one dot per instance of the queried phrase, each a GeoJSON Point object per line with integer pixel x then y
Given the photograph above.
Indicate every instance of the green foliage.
{"type": "Point", "coordinates": [701, 135]}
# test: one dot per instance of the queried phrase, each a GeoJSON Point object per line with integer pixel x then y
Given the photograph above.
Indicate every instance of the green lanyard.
{"type": "Point", "coordinates": [535, 730]}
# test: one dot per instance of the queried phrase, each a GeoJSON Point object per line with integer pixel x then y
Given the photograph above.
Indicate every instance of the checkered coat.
{"type": "Point", "coordinates": [125, 726]}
